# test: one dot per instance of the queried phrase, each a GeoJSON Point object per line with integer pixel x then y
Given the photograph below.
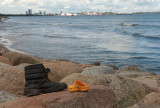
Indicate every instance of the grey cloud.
{"type": "Point", "coordinates": [15, 0]}
{"type": "Point", "coordinates": [144, 3]}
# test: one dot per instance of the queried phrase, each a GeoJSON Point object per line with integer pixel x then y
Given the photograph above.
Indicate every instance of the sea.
{"type": "Point", "coordinates": [118, 40]}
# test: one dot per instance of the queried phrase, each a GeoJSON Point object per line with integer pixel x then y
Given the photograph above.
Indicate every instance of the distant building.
{"type": "Point", "coordinates": [44, 13]}
{"type": "Point", "coordinates": [89, 13]}
{"type": "Point", "coordinates": [26, 12]}
{"type": "Point", "coordinates": [29, 12]}
{"type": "Point", "coordinates": [61, 14]}
{"type": "Point", "coordinates": [40, 12]}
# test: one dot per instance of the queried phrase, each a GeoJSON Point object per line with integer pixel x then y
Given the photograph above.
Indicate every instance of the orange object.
{"type": "Point", "coordinates": [78, 86]}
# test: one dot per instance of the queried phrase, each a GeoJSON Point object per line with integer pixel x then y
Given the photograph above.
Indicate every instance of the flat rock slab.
{"type": "Point", "coordinates": [97, 97]}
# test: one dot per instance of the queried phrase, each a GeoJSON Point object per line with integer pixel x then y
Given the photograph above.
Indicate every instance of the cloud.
{"type": "Point", "coordinates": [67, 7]}
{"type": "Point", "coordinates": [20, 6]}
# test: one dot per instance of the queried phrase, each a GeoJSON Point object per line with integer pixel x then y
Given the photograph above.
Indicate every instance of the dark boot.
{"type": "Point", "coordinates": [37, 82]}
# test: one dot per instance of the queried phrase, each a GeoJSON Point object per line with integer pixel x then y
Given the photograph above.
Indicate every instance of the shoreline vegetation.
{"type": "Point", "coordinates": [112, 87]}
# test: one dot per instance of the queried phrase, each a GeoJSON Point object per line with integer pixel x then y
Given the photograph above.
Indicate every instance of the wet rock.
{"type": "Point", "coordinates": [131, 68]}
{"type": "Point", "coordinates": [127, 91]}
{"type": "Point", "coordinates": [17, 58]}
{"type": "Point", "coordinates": [112, 66]}
{"type": "Point", "coordinates": [133, 72]}
{"type": "Point", "coordinates": [98, 70]}
{"type": "Point", "coordinates": [96, 97]}
{"type": "Point", "coordinates": [3, 50]}
{"type": "Point", "coordinates": [89, 65]}
{"type": "Point", "coordinates": [151, 100]}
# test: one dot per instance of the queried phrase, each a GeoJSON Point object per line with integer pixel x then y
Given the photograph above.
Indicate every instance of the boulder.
{"type": "Point", "coordinates": [112, 66]}
{"type": "Point", "coordinates": [151, 100]}
{"type": "Point", "coordinates": [17, 58]}
{"type": "Point", "coordinates": [131, 68]}
{"type": "Point", "coordinates": [4, 60]}
{"type": "Point", "coordinates": [148, 81]}
{"type": "Point", "coordinates": [158, 82]}
{"type": "Point", "coordinates": [12, 79]}
{"type": "Point", "coordinates": [60, 69]}
{"type": "Point", "coordinates": [3, 66]}
{"type": "Point", "coordinates": [3, 50]}
{"type": "Point", "coordinates": [98, 70]}
{"type": "Point", "coordinates": [149, 89]}
{"type": "Point", "coordinates": [5, 96]}
{"type": "Point", "coordinates": [89, 65]}
{"type": "Point", "coordinates": [96, 97]}
{"type": "Point", "coordinates": [84, 78]}
{"type": "Point", "coordinates": [133, 72]}
{"type": "Point", "coordinates": [127, 91]}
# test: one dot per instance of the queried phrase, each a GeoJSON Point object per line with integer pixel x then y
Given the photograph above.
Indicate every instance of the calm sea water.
{"type": "Point", "coordinates": [119, 39]}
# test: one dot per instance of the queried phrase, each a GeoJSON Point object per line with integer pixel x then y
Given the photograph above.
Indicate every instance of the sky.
{"type": "Point", "coordinates": [56, 6]}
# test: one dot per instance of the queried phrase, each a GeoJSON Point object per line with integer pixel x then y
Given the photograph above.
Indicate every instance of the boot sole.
{"type": "Point", "coordinates": [34, 92]}
{"type": "Point", "coordinates": [31, 92]}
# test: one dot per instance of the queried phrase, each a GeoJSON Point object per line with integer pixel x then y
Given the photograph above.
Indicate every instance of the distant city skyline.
{"type": "Point", "coordinates": [56, 6]}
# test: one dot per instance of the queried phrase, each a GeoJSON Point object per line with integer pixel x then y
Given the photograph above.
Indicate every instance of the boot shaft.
{"type": "Point", "coordinates": [36, 71]}
{"type": "Point", "coordinates": [36, 75]}
{"type": "Point", "coordinates": [34, 66]}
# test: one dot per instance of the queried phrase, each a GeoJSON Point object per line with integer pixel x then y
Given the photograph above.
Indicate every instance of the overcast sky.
{"type": "Point", "coordinates": [55, 6]}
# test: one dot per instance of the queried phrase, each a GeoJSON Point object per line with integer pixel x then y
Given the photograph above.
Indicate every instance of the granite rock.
{"type": "Point", "coordinates": [17, 58]}
{"type": "Point", "coordinates": [3, 50]}
{"type": "Point", "coordinates": [4, 60]}
{"type": "Point", "coordinates": [12, 78]}
{"type": "Point", "coordinates": [98, 70]}
{"type": "Point", "coordinates": [127, 91]}
{"type": "Point", "coordinates": [60, 69]}
{"type": "Point", "coordinates": [96, 97]}
{"type": "Point", "coordinates": [151, 100]}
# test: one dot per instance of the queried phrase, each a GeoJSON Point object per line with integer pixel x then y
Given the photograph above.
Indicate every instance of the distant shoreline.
{"type": "Point", "coordinates": [137, 13]}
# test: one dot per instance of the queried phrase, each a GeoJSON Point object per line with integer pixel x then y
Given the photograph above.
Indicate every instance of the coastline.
{"type": "Point", "coordinates": [12, 77]}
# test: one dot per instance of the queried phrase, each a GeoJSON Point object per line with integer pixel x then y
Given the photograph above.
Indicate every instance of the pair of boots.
{"type": "Point", "coordinates": [37, 82]}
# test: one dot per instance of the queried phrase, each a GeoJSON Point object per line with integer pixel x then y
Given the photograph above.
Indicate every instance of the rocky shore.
{"type": "Point", "coordinates": [111, 87]}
